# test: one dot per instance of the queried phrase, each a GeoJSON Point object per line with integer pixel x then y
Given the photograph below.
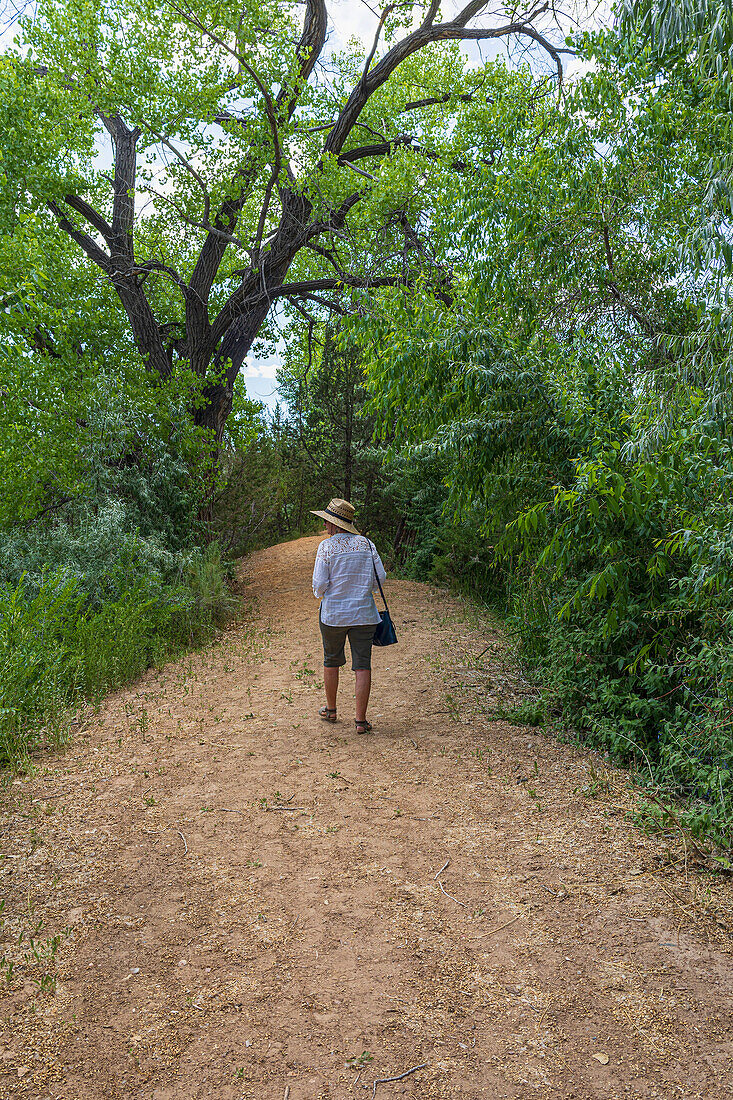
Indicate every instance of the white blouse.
{"type": "Point", "coordinates": [344, 577]}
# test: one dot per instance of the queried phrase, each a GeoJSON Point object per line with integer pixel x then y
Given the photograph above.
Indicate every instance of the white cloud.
{"type": "Point", "coordinates": [260, 368]}
{"type": "Point", "coordinates": [352, 18]}
{"type": "Point", "coordinates": [252, 370]}
{"type": "Point", "coordinates": [263, 389]}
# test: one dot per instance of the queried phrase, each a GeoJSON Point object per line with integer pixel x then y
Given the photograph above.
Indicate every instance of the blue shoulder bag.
{"type": "Point", "coordinates": [384, 632]}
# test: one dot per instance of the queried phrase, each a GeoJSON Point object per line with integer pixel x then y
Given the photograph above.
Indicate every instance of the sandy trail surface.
{"type": "Point", "coordinates": [237, 900]}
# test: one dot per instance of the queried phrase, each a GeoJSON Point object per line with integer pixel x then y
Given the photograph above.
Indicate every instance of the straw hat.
{"type": "Point", "coordinates": [339, 512]}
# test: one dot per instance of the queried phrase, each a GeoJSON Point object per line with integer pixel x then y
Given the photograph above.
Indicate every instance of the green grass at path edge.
{"type": "Point", "coordinates": [57, 651]}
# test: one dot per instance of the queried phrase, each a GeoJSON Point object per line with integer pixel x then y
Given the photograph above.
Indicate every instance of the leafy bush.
{"type": "Point", "coordinates": [630, 608]}
{"type": "Point", "coordinates": [57, 645]}
{"type": "Point", "coordinates": [206, 574]}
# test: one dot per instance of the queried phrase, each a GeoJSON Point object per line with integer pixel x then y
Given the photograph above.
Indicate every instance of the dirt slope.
{"type": "Point", "coordinates": [248, 903]}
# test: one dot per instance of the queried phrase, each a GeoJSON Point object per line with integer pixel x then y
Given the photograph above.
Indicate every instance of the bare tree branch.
{"type": "Point", "coordinates": [41, 340]}
{"type": "Point", "coordinates": [359, 171]}
{"type": "Point", "coordinates": [431, 13]}
{"type": "Point", "coordinates": [338, 218]}
{"type": "Point", "coordinates": [154, 265]}
{"type": "Point", "coordinates": [345, 283]}
{"type": "Point", "coordinates": [92, 216]}
{"type": "Point", "coordinates": [124, 140]}
{"type": "Point", "coordinates": [186, 164]}
{"type": "Point", "coordinates": [226, 238]}
{"type": "Point", "coordinates": [256, 247]}
{"type": "Point", "coordinates": [328, 254]}
{"type": "Point", "coordinates": [382, 20]}
{"type": "Point", "coordinates": [85, 242]}
{"type": "Point", "coordinates": [308, 316]}
{"type": "Point", "coordinates": [428, 32]}
{"type": "Point", "coordinates": [308, 50]}
{"type": "Point", "coordinates": [434, 100]}
{"type": "Point", "coordinates": [326, 302]}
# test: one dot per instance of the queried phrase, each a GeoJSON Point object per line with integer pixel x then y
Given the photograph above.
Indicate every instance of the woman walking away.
{"type": "Point", "coordinates": [344, 576]}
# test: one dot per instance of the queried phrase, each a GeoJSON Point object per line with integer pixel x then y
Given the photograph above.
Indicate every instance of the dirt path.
{"type": "Point", "coordinates": [250, 901]}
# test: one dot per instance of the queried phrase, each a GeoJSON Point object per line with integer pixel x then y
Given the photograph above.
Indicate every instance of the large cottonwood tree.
{"type": "Point", "coordinates": [194, 150]}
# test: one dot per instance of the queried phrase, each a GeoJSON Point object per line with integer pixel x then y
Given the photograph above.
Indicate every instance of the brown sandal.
{"type": "Point", "coordinates": [327, 714]}
{"type": "Point", "coordinates": [366, 727]}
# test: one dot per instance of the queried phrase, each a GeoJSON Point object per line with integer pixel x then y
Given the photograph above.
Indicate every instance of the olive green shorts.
{"type": "Point", "coordinates": [360, 643]}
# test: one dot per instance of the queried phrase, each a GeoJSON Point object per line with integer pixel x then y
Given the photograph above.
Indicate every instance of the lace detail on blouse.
{"type": "Point", "coordinates": [343, 544]}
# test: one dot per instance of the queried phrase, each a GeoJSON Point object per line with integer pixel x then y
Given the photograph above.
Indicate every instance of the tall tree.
{"type": "Point", "coordinates": [195, 152]}
{"type": "Point", "coordinates": [326, 393]}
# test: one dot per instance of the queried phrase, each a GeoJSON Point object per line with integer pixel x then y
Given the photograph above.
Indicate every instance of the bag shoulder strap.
{"type": "Point", "coordinates": [374, 566]}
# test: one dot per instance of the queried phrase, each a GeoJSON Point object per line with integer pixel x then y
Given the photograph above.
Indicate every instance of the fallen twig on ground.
{"type": "Point", "coordinates": [440, 872]}
{"type": "Point", "coordinates": [399, 1077]}
{"type": "Point", "coordinates": [443, 889]}
{"type": "Point", "coordinates": [560, 895]}
{"type": "Point", "coordinates": [185, 845]}
{"type": "Point", "coordinates": [506, 924]}
{"type": "Point", "coordinates": [673, 897]}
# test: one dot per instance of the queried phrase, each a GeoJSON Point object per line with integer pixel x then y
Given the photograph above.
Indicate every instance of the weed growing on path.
{"type": "Point", "coordinates": [359, 1061]}
{"type": "Point", "coordinates": [596, 786]}
{"type": "Point", "coordinates": [32, 958]}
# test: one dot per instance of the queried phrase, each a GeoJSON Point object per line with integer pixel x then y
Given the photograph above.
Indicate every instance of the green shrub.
{"type": "Point", "coordinates": [205, 575]}
{"type": "Point", "coordinates": [58, 645]}
{"type": "Point", "coordinates": [629, 611]}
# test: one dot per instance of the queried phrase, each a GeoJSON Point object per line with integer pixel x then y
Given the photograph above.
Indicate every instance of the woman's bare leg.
{"type": "Point", "coordinates": [331, 684]}
{"type": "Point", "coordinates": [363, 687]}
